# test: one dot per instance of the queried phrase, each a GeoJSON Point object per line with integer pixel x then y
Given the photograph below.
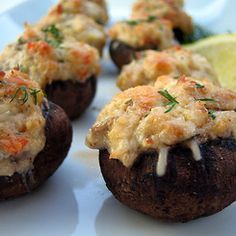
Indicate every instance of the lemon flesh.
{"type": "Point", "coordinates": [220, 50]}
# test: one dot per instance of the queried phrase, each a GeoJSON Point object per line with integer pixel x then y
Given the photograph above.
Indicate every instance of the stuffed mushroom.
{"type": "Point", "coordinates": [149, 65]}
{"type": "Point", "coordinates": [77, 27]}
{"type": "Point", "coordinates": [129, 37]}
{"type": "Point", "coordinates": [171, 10]}
{"type": "Point", "coordinates": [169, 150]}
{"type": "Point", "coordinates": [93, 9]}
{"type": "Point", "coordinates": [35, 135]}
{"type": "Point", "coordinates": [65, 70]}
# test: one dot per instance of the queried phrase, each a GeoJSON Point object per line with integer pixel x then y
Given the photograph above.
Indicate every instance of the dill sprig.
{"type": "Point", "coordinates": [172, 100]}
{"type": "Point", "coordinates": [55, 33]}
{"type": "Point", "coordinates": [211, 113]}
{"type": "Point", "coordinates": [206, 100]}
{"type": "Point", "coordinates": [21, 40]}
{"type": "Point", "coordinates": [199, 86]}
{"type": "Point", "coordinates": [23, 93]}
{"type": "Point", "coordinates": [136, 22]}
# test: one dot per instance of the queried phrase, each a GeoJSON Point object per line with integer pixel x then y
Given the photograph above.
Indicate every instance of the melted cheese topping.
{"type": "Point", "coordinates": [22, 124]}
{"type": "Point", "coordinates": [77, 27]}
{"type": "Point", "coordinates": [89, 8]}
{"type": "Point", "coordinates": [193, 145]}
{"type": "Point", "coordinates": [170, 10]}
{"type": "Point", "coordinates": [141, 119]}
{"type": "Point", "coordinates": [143, 34]}
{"type": "Point", "coordinates": [46, 63]}
{"type": "Point", "coordinates": [162, 161]}
{"type": "Point", "coordinates": [175, 62]}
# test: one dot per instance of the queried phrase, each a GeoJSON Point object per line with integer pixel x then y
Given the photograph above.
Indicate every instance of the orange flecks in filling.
{"type": "Point", "coordinates": [12, 144]}
{"type": "Point", "coordinates": [59, 9]}
{"type": "Point", "coordinates": [164, 66]}
{"type": "Point", "coordinates": [19, 81]}
{"type": "Point", "coordinates": [2, 74]}
{"type": "Point", "coordinates": [42, 48]}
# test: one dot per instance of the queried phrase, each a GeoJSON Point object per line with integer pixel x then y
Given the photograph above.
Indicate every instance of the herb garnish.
{"type": "Point", "coordinates": [199, 86]}
{"type": "Point", "coordinates": [55, 33]}
{"type": "Point", "coordinates": [206, 100]}
{"type": "Point", "coordinates": [212, 114]}
{"type": "Point", "coordinates": [151, 18]}
{"type": "Point", "coordinates": [176, 77]}
{"type": "Point", "coordinates": [129, 102]}
{"type": "Point", "coordinates": [136, 22]}
{"type": "Point", "coordinates": [172, 101]}
{"type": "Point", "coordinates": [26, 92]}
{"type": "Point", "coordinates": [21, 40]}
{"type": "Point", "coordinates": [132, 22]}
{"type": "Point", "coordinates": [21, 68]}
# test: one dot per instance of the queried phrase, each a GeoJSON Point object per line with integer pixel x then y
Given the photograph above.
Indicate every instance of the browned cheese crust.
{"type": "Point", "coordinates": [58, 133]}
{"type": "Point", "coordinates": [74, 97]}
{"type": "Point", "coordinates": [188, 190]}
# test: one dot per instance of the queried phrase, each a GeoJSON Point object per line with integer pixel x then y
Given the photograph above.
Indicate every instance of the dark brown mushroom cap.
{"type": "Point", "coordinates": [122, 54]}
{"type": "Point", "coordinates": [189, 189]}
{"type": "Point", "coordinates": [58, 133]}
{"type": "Point", "coordinates": [74, 97]}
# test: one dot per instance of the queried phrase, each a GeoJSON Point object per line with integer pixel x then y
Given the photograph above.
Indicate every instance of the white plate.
{"type": "Point", "coordinates": [75, 200]}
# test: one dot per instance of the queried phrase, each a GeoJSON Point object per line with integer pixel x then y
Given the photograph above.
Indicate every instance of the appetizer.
{"type": "Point", "coordinates": [169, 150]}
{"type": "Point", "coordinates": [131, 36]}
{"type": "Point", "coordinates": [35, 135]}
{"type": "Point", "coordinates": [65, 70]}
{"type": "Point", "coordinates": [171, 10]}
{"type": "Point", "coordinates": [77, 27]}
{"type": "Point", "coordinates": [149, 65]}
{"type": "Point", "coordinates": [92, 9]}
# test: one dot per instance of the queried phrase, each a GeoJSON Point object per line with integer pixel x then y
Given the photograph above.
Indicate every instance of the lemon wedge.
{"type": "Point", "coordinates": [220, 50]}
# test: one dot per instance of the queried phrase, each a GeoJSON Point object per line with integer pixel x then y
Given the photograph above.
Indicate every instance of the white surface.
{"type": "Point", "coordinates": [75, 200]}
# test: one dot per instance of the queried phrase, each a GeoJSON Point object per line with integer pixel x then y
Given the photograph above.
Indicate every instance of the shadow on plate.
{"type": "Point", "coordinates": [122, 221]}
{"type": "Point", "coordinates": [50, 210]}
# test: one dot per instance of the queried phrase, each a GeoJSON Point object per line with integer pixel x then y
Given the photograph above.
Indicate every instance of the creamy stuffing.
{"type": "Point", "coordinates": [77, 27]}
{"type": "Point", "coordinates": [149, 65]}
{"type": "Point", "coordinates": [172, 111]}
{"type": "Point", "coordinates": [143, 34]}
{"type": "Point", "coordinates": [22, 124]}
{"type": "Point", "coordinates": [171, 10]}
{"type": "Point", "coordinates": [94, 9]}
{"type": "Point", "coordinates": [47, 58]}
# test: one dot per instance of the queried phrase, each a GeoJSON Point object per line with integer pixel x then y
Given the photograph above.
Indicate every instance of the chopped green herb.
{"type": "Point", "coordinates": [129, 102]}
{"type": "Point", "coordinates": [34, 94]}
{"type": "Point", "coordinates": [151, 18]}
{"type": "Point", "coordinates": [25, 96]}
{"type": "Point", "coordinates": [206, 100]}
{"type": "Point", "coordinates": [132, 22]}
{"type": "Point", "coordinates": [176, 77]}
{"type": "Point", "coordinates": [199, 86]}
{"type": "Point", "coordinates": [136, 22]}
{"type": "Point", "coordinates": [22, 68]}
{"type": "Point", "coordinates": [21, 40]}
{"type": "Point", "coordinates": [172, 101]}
{"type": "Point", "coordinates": [55, 33]}
{"type": "Point", "coordinates": [212, 114]}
